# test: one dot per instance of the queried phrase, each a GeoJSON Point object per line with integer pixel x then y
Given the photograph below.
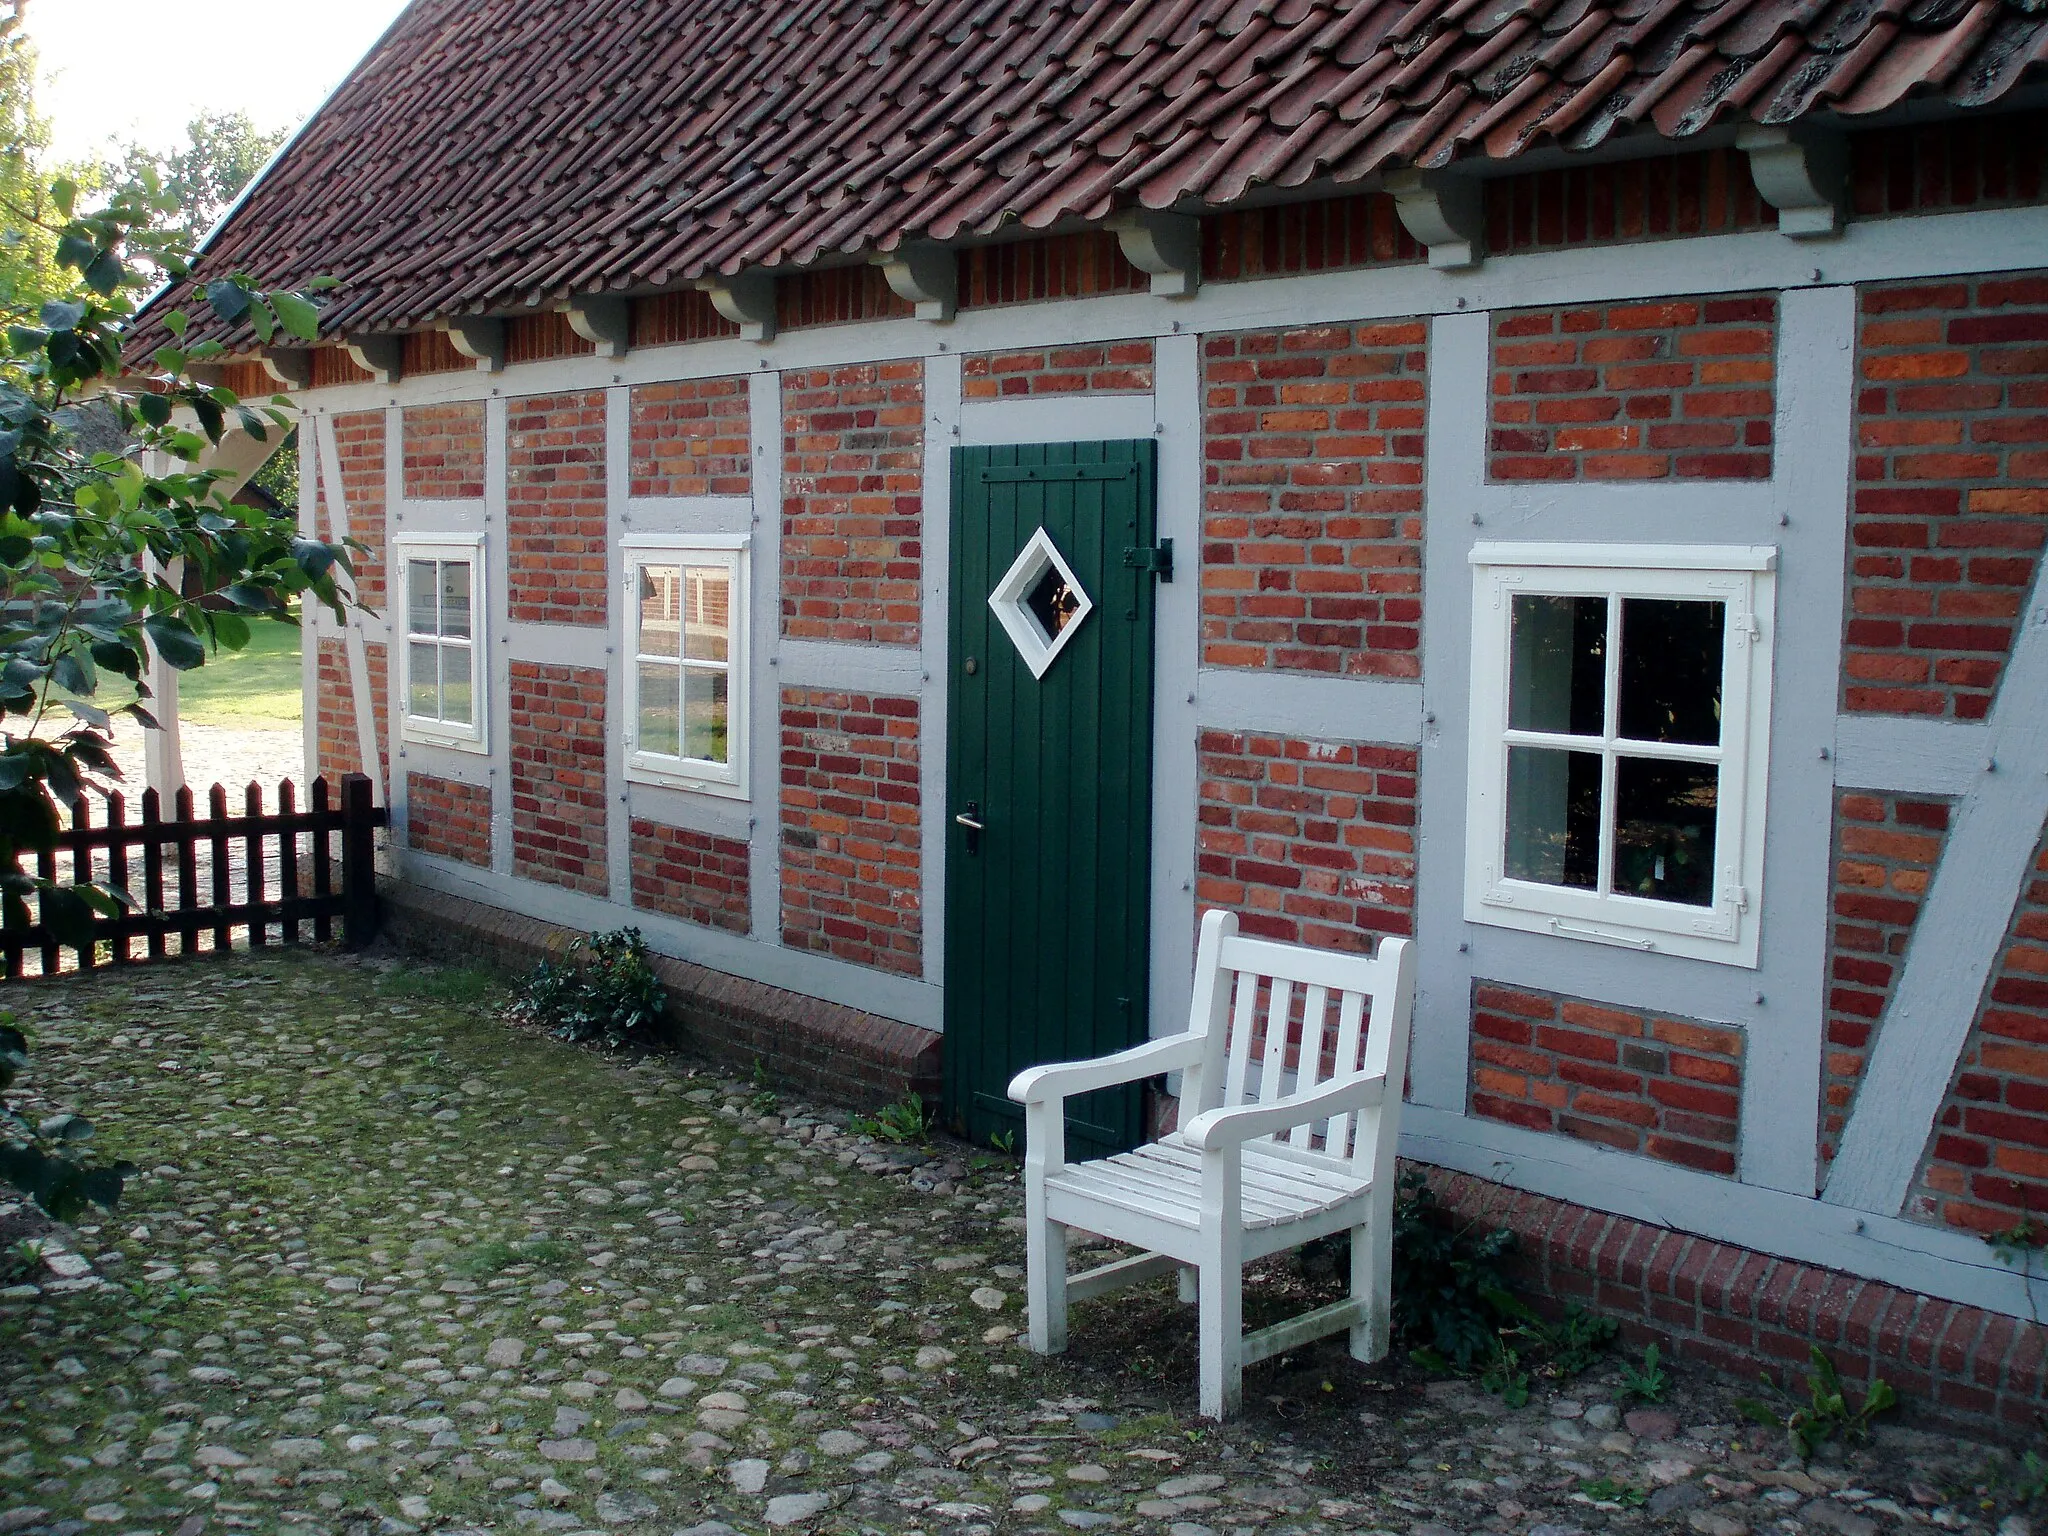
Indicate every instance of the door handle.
{"type": "Point", "coordinates": [970, 819]}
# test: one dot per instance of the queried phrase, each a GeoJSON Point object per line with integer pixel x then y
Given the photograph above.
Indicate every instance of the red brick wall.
{"type": "Point", "coordinates": [1312, 512]}
{"type": "Point", "coordinates": [1983, 158]}
{"type": "Point", "coordinates": [333, 365]}
{"type": "Point", "coordinates": [1319, 236]}
{"type": "Point", "coordinates": [1668, 1088]}
{"type": "Point", "coordinates": [555, 509]}
{"type": "Point", "coordinates": [692, 875]}
{"type": "Point", "coordinates": [444, 451]}
{"type": "Point", "coordinates": [835, 296]}
{"type": "Point", "coordinates": [449, 818]}
{"type": "Point", "coordinates": [692, 438]}
{"type": "Point", "coordinates": [1056, 267]}
{"type": "Point", "coordinates": [337, 747]}
{"type": "Point", "coordinates": [1672, 389]}
{"type": "Point", "coordinates": [558, 801]}
{"type": "Point", "coordinates": [853, 502]}
{"type": "Point", "coordinates": [1311, 842]}
{"type": "Point", "coordinates": [1704, 193]}
{"type": "Point", "coordinates": [850, 839]}
{"type": "Point", "coordinates": [359, 444]}
{"type": "Point", "coordinates": [666, 318]}
{"type": "Point", "coordinates": [430, 352]}
{"type": "Point", "coordinates": [1886, 848]}
{"type": "Point", "coordinates": [1103, 368]}
{"type": "Point", "coordinates": [535, 338]}
{"type": "Point", "coordinates": [1988, 1166]}
{"type": "Point", "coordinates": [1951, 496]}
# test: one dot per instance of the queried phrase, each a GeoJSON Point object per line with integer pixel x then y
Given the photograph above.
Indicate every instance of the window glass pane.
{"type": "Point", "coordinates": [455, 599]}
{"type": "Point", "coordinates": [661, 588]}
{"type": "Point", "coordinates": [419, 582]}
{"type": "Point", "coordinates": [659, 709]}
{"type": "Point", "coordinates": [1671, 669]}
{"type": "Point", "coordinates": [456, 690]}
{"type": "Point", "coordinates": [1664, 830]}
{"type": "Point", "coordinates": [704, 715]}
{"type": "Point", "coordinates": [1557, 674]}
{"type": "Point", "coordinates": [423, 665]}
{"type": "Point", "coordinates": [1553, 817]}
{"type": "Point", "coordinates": [707, 613]}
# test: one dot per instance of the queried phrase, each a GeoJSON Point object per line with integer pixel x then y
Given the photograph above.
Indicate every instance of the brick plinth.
{"type": "Point", "coordinates": [1951, 496]}
{"type": "Point", "coordinates": [555, 511]}
{"type": "Point", "coordinates": [1665, 1087]}
{"type": "Point", "coordinates": [1736, 1310]}
{"type": "Point", "coordinates": [558, 804]}
{"type": "Point", "coordinates": [692, 438]}
{"type": "Point", "coordinates": [692, 875]}
{"type": "Point", "coordinates": [448, 818]}
{"type": "Point", "coordinates": [444, 451]}
{"type": "Point", "coordinates": [1312, 505]}
{"type": "Point", "coordinates": [830, 1052]}
{"type": "Point", "coordinates": [853, 502]}
{"type": "Point", "coordinates": [1310, 842]}
{"type": "Point", "coordinates": [851, 860]}
{"type": "Point", "coordinates": [1886, 850]}
{"type": "Point", "coordinates": [1671, 389]}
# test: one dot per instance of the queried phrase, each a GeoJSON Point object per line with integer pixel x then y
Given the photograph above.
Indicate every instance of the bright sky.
{"type": "Point", "coordinates": [273, 59]}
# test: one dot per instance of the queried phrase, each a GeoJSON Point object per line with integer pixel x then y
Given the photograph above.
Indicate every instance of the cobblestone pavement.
{"type": "Point", "coordinates": [396, 1265]}
{"type": "Point", "coordinates": [216, 754]}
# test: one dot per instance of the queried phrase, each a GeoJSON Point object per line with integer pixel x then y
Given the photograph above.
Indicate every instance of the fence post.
{"type": "Point", "coordinates": [358, 862]}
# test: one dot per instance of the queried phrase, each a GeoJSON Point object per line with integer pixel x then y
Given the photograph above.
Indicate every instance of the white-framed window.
{"type": "Point", "coordinates": [442, 683]}
{"type": "Point", "coordinates": [1621, 700]}
{"type": "Point", "coordinates": [686, 677]}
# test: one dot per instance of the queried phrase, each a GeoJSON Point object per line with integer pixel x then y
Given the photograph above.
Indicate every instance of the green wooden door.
{"type": "Point", "coordinates": [1050, 750]}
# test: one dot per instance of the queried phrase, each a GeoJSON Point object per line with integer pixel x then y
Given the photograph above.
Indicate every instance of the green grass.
{"type": "Point", "coordinates": [256, 686]}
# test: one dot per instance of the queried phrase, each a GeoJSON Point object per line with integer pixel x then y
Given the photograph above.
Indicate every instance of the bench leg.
{"type": "Point", "coordinates": [1045, 1243]}
{"type": "Point", "coordinates": [1190, 1289]}
{"type": "Point", "coordinates": [1372, 1274]}
{"type": "Point", "coordinates": [1221, 1326]}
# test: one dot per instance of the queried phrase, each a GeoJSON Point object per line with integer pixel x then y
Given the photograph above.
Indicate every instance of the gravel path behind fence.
{"type": "Point", "coordinates": [396, 1264]}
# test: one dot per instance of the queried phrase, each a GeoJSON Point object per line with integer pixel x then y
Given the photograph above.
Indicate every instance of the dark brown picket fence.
{"type": "Point", "coordinates": [199, 883]}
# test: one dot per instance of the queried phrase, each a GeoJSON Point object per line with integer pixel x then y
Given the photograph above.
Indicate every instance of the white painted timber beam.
{"type": "Point", "coordinates": [925, 274]}
{"type": "Point", "coordinates": [480, 340]}
{"type": "Point", "coordinates": [603, 321]}
{"type": "Point", "coordinates": [1445, 212]}
{"type": "Point", "coordinates": [747, 300]}
{"type": "Point", "coordinates": [1956, 941]}
{"type": "Point", "coordinates": [292, 367]}
{"type": "Point", "coordinates": [1166, 246]}
{"type": "Point", "coordinates": [379, 356]}
{"type": "Point", "coordinates": [1802, 172]}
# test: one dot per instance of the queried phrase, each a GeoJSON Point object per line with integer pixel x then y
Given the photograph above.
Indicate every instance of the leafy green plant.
{"type": "Point", "coordinates": [1826, 1413]}
{"type": "Point", "coordinates": [1004, 1141]}
{"type": "Point", "coordinates": [1452, 1293]}
{"type": "Point", "coordinates": [2030, 1478]}
{"type": "Point", "coordinates": [45, 1159]}
{"type": "Point", "coordinates": [1650, 1383]}
{"type": "Point", "coordinates": [1605, 1490]}
{"type": "Point", "coordinates": [489, 1258]}
{"type": "Point", "coordinates": [23, 1258]}
{"type": "Point", "coordinates": [1571, 1346]}
{"type": "Point", "coordinates": [610, 994]}
{"type": "Point", "coordinates": [907, 1122]}
{"type": "Point", "coordinates": [1504, 1376]}
{"type": "Point", "coordinates": [764, 1100]}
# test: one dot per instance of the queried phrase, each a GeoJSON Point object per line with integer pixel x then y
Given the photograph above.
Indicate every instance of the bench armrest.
{"type": "Point", "coordinates": [1063, 1080]}
{"type": "Point", "coordinates": [1220, 1128]}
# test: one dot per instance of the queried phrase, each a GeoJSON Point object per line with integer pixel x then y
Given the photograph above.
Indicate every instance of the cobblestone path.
{"type": "Point", "coordinates": [395, 1265]}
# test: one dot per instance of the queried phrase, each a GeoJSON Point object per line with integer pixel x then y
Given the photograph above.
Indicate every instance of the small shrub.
{"type": "Point", "coordinates": [907, 1122]}
{"type": "Point", "coordinates": [1570, 1347]}
{"type": "Point", "coordinates": [1650, 1383]}
{"type": "Point", "coordinates": [1452, 1293]}
{"type": "Point", "coordinates": [610, 995]}
{"type": "Point", "coordinates": [1826, 1413]}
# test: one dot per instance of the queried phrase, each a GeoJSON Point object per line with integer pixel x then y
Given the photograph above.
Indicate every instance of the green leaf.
{"type": "Point", "coordinates": [262, 319]}
{"type": "Point", "coordinates": [231, 630]}
{"type": "Point", "coordinates": [104, 273]}
{"type": "Point", "coordinates": [75, 251]}
{"type": "Point", "coordinates": [296, 315]}
{"type": "Point", "coordinates": [64, 193]}
{"type": "Point", "coordinates": [62, 314]}
{"type": "Point", "coordinates": [175, 642]}
{"type": "Point", "coordinates": [230, 300]}
{"type": "Point", "coordinates": [153, 409]}
{"type": "Point", "coordinates": [177, 322]}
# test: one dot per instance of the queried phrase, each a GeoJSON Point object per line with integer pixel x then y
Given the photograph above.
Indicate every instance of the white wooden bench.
{"type": "Point", "coordinates": [1271, 1153]}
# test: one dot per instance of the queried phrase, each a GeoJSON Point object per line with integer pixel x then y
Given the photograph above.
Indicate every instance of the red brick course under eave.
{"type": "Point", "coordinates": [1674, 389]}
{"type": "Point", "coordinates": [1951, 497]}
{"type": "Point", "coordinates": [1737, 1310]}
{"type": "Point", "coordinates": [1312, 500]}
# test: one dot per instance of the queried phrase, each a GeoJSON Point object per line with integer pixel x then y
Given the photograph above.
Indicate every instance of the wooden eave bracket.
{"type": "Point", "coordinates": [1801, 171]}
{"type": "Point", "coordinates": [747, 300]}
{"type": "Point", "coordinates": [1444, 212]}
{"type": "Point", "coordinates": [602, 321]}
{"type": "Point", "coordinates": [290, 366]}
{"type": "Point", "coordinates": [1168, 246]}
{"type": "Point", "coordinates": [926, 275]}
{"type": "Point", "coordinates": [378, 356]}
{"type": "Point", "coordinates": [480, 340]}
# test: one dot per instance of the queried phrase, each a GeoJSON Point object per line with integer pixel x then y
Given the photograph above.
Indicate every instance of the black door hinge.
{"type": "Point", "coordinates": [1156, 558]}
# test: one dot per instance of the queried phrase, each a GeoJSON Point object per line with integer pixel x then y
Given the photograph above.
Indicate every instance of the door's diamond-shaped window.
{"type": "Point", "coordinates": [1040, 602]}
